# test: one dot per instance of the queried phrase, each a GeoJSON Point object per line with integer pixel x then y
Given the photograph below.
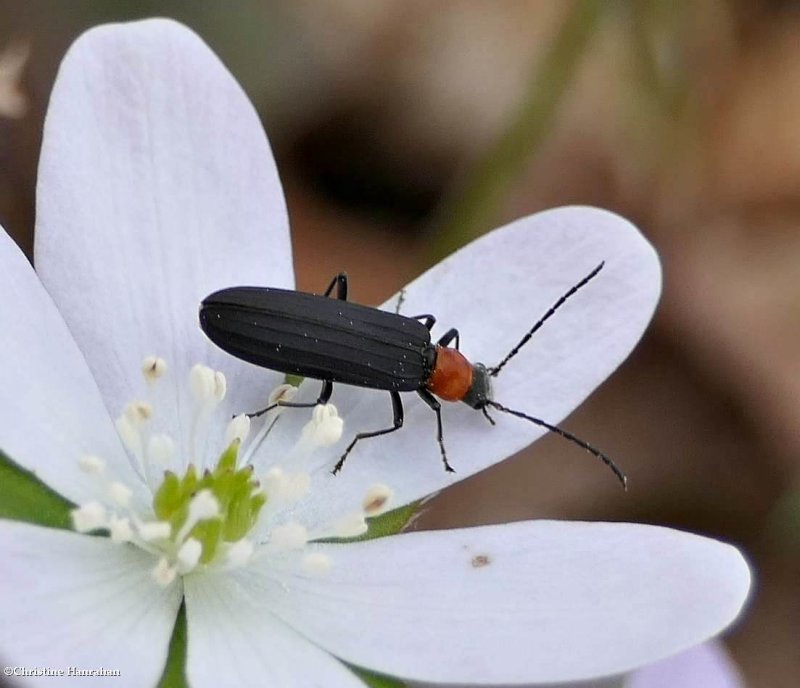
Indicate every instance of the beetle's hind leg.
{"type": "Point", "coordinates": [323, 398]}
{"type": "Point", "coordinates": [397, 409]}
{"type": "Point", "coordinates": [433, 402]}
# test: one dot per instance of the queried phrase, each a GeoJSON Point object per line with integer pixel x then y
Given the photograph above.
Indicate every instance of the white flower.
{"type": "Point", "coordinates": [157, 187]}
{"type": "Point", "coordinates": [704, 666]}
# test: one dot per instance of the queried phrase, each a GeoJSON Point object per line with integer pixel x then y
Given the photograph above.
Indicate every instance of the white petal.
{"type": "Point", "coordinates": [70, 600]}
{"type": "Point", "coordinates": [51, 413]}
{"type": "Point", "coordinates": [704, 666]}
{"type": "Point", "coordinates": [520, 603]}
{"type": "Point", "coordinates": [235, 641]}
{"type": "Point", "coordinates": [493, 291]}
{"type": "Point", "coordinates": [156, 186]}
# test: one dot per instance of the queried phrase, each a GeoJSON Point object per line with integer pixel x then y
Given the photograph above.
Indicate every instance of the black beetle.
{"type": "Point", "coordinates": [334, 340]}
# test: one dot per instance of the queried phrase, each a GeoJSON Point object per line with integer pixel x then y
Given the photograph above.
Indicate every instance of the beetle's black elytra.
{"type": "Point", "coordinates": [334, 340]}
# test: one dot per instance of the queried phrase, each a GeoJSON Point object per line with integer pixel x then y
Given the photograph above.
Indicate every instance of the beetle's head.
{"type": "Point", "coordinates": [480, 391]}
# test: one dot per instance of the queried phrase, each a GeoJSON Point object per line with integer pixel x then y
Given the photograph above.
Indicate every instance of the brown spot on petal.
{"type": "Point", "coordinates": [480, 560]}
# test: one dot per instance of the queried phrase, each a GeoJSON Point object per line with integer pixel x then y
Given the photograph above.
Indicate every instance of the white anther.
{"type": "Point", "coordinates": [153, 367]}
{"type": "Point", "coordinates": [161, 449]}
{"type": "Point", "coordinates": [331, 427]}
{"type": "Point", "coordinates": [288, 536]}
{"type": "Point", "coordinates": [93, 465]}
{"type": "Point", "coordinates": [89, 516]}
{"type": "Point", "coordinates": [154, 530]}
{"type": "Point", "coordinates": [325, 427]}
{"type": "Point", "coordinates": [286, 487]}
{"type": "Point", "coordinates": [220, 385]}
{"type": "Point", "coordinates": [350, 525]}
{"type": "Point", "coordinates": [121, 530]}
{"type": "Point", "coordinates": [282, 392]}
{"type": "Point", "coordinates": [377, 499]}
{"type": "Point", "coordinates": [239, 553]}
{"type": "Point", "coordinates": [163, 573]}
{"type": "Point", "coordinates": [316, 563]}
{"type": "Point", "coordinates": [297, 486]}
{"type": "Point", "coordinates": [204, 505]}
{"type": "Point", "coordinates": [189, 555]}
{"type": "Point", "coordinates": [238, 429]}
{"type": "Point", "coordinates": [120, 493]}
{"type": "Point", "coordinates": [138, 412]}
{"type": "Point", "coordinates": [275, 482]}
{"type": "Point", "coordinates": [201, 381]}
{"type": "Point", "coordinates": [130, 436]}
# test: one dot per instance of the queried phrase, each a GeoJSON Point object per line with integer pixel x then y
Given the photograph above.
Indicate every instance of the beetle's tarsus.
{"type": "Point", "coordinates": [258, 414]}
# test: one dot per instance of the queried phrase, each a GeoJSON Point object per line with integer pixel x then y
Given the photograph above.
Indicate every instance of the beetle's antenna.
{"type": "Point", "coordinates": [496, 369]}
{"type": "Point", "coordinates": [401, 296]}
{"type": "Point", "coordinates": [567, 436]}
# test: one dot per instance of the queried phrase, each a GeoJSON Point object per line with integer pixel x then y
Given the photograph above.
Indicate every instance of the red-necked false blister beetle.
{"type": "Point", "coordinates": [335, 340]}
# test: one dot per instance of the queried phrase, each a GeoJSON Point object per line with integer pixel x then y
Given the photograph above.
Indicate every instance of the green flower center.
{"type": "Point", "coordinates": [238, 496]}
{"type": "Point", "coordinates": [214, 517]}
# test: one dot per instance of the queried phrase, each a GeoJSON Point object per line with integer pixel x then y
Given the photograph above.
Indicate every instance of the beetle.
{"type": "Point", "coordinates": [337, 341]}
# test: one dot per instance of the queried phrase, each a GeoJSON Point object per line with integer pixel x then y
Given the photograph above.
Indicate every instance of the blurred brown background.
{"type": "Point", "coordinates": [403, 127]}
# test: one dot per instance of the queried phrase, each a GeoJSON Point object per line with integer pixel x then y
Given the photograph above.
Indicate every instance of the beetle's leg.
{"type": "Point", "coordinates": [323, 398]}
{"type": "Point", "coordinates": [427, 319]}
{"type": "Point", "coordinates": [433, 402]}
{"type": "Point", "coordinates": [449, 336]}
{"type": "Point", "coordinates": [397, 409]}
{"type": "Point", "coordinates": [340, 282]}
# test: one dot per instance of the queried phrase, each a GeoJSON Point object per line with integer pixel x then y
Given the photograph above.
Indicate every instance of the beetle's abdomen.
{"type": "Point", "coordinates": [319, 337]}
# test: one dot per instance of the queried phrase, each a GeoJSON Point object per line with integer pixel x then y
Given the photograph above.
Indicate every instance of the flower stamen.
{"type": "Point", "coordinates": [316, 563]}
{"type": "Point", "coordinates": [284, 392]}
{"type": "Point", "coordinates": [153, 368]}
{"type": "Point", "coordinates": [377, 500]}
{"type": "Point", "coordinates": [88, 517]}
{"type": "Point", "coordinates": [93, 465]}
{"type": "Point", "coordinates": [219, 516]}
